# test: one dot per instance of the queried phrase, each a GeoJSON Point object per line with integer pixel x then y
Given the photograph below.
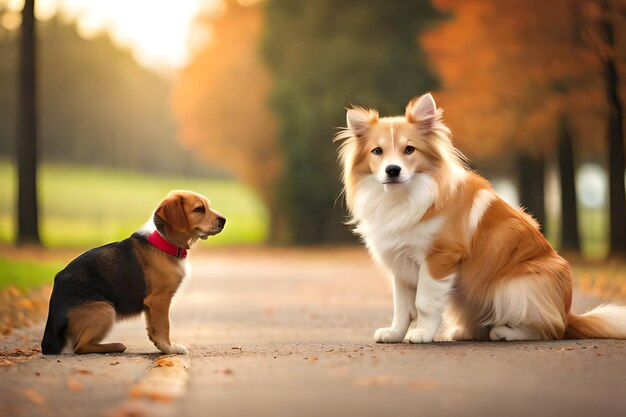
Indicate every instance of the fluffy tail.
{"type": "Point", "coordinates": [54, 339]}
{"type": "Point", "coordinates": [604, 322]}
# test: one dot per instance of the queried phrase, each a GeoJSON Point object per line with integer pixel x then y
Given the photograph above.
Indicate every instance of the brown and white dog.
{"type": "Point", "coordinates": [450, 242]}
{"type": "Point", "coordinates": [123, 279]}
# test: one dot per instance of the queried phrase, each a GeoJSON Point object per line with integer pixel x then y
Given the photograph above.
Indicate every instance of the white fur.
{"type": "Point", "coordinates": [481, 203]}
{"type": "Point", "coordinates": [527, 301]}
{"type": "Point", "coordinates": [456, 175]}
{"type": "Point", "coordinates": [403, 312]}
{"type": "Point", "coordinates": [614, 316]}
{"type": "Point", "coordinates": [515, 333]}
{"type": "Point", "coordinates": [389, 222]}
{"type": "Point", "coordinates": [148, 227]}
{"type": "Point", "coordinates": [432, 299]}
{"type": "Point", "coordinates": [381, 214]}
{"type": "Point", "coordinates": [171, 349]}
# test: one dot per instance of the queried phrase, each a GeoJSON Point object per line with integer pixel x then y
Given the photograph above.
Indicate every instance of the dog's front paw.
{"type": "Point", "coordinates": [388, 335]}
{"type": "Point", "coordinates": [173, 349]}
{"type": "Point", "coordinates": [419, 336]}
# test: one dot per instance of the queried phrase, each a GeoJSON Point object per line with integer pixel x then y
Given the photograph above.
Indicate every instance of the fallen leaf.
{"type": "Point", "coordinates": [228, 371]}
{"type": "Point", "coordinates": [33, 396]}
{"type": "Point", "coordinates": [135, 392]}
{"type": "Point", "coordinates": [74, 385]}
{"type": "Point", "coordinates": [164, 362]}
{"type": "Point", "coordinates": [115, 363]}
{"type": "Point", "coordinates": [159, 397]}
{"type": "Point", "coordinates": [5, 363]}
{"type": "Point", "coordinates": [26, 351]}
{"type": "Point", "coordinates": [138, 392]}
{"type": "Point", "coordinates": [84, 371]}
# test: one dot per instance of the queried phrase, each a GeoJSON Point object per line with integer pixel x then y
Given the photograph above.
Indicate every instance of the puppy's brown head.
{"type": "Point", "coordinates": [183, 217]}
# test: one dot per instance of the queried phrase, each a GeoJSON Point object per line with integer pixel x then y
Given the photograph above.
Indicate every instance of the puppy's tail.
{"type": "Point", "coordinates": [54, 339]}
{"type": "Point", "coordinates": [604, 322]}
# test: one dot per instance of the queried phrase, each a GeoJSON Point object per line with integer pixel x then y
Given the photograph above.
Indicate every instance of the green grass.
{"type": "Point", "coordinates": [25, 275]}
{"type": "Point", "coordinates": [84, 207]}
{"type": "Point", "coordinates": [593, 227]}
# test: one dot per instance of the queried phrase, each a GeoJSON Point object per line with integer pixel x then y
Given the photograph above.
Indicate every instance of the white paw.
{"type": "Point", "coordinates": [419, 336]}
{"type": "Point", "coordinates": [500, 333]}
{"type": "Point", "coordinates": [514, 333]}
{"type": "Point", "coordinates": [388, 335]}
{"type": "Point", "coordinates": [172, 349]}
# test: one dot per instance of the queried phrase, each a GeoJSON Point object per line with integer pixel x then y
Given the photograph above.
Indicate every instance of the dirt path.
{"type": "Point", "coordinates": [282, 333]}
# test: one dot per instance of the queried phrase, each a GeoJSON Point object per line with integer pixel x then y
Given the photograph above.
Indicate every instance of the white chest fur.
{"type": "Point", "coordinates": [390, 222]}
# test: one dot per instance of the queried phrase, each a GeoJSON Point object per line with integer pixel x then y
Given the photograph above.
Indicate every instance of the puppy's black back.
{"type": "Point", "coordinates": [110, 273]}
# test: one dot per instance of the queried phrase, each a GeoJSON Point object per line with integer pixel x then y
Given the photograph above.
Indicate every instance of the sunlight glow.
{"type": "Point", "coordinates": [158, 32]}
{"type": "Point", "coordinates": [592, 185]}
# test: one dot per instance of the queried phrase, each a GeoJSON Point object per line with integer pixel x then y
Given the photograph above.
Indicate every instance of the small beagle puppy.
{"type": "Point", "coordinates": [123, 279]}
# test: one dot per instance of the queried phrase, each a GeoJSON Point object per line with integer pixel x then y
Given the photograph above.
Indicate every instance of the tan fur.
{"type": "Point", "coordinates": [580, 327]}
{"type": "Point", "coordinates": [163, 274]}
{"type": "Point", "coordinates": [89, 324]}
{"type": "Point", "coordinates": [178, 223]}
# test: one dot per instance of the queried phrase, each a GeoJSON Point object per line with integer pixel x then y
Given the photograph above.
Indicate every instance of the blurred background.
{"type": "Point", "coordinates": [239, 100]}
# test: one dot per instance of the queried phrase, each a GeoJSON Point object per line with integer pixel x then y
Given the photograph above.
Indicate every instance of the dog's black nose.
{"type": "Point", "coordinates": [393, 170]}
{"type": "Point", "coordinates": [221, 221]}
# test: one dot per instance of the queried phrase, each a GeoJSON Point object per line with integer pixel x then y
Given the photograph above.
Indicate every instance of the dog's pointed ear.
{"type": "Point", "coordinates": [422, 111]}
{"type": "Point", "coordinates": [172, 212]}
{"type": "Point", "coordinates": [359, 120]}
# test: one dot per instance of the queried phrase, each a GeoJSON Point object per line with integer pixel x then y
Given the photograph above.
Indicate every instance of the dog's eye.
{"type": "Point", "coordinates": [409, 150]}
{"type": "Point", "coordinates": [377, 151]}
{"type": "Point", "coordinates": [199, 209]}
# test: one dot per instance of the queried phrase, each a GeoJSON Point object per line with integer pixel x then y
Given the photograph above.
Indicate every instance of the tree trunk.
{"type": "Point", "coordinates": [531, 186]}
{"type": "Point", "coordinates": [27, 209]}
{"type": "Point", "coordinates": [615, 148]}
{"type": "Point", "coordinates": [570, 240]}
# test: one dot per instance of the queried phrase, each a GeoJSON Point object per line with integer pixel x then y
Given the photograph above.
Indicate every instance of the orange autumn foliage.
{"type": "Point", "coordinates": [220, 100]}
{"type": "Point", "coordinates": [511, 71]}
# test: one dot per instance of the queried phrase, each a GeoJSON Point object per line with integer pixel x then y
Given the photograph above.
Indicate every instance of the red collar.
{"type": "Point", "coordinates": [160, 243]}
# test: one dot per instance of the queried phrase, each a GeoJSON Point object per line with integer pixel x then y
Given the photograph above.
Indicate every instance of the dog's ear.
{"type": "Point", "coordinates": [172, 212]}
{"type": "Point", "coordinates": [422, 111]}
{"type": "Point", "coordinates": [359, 120]}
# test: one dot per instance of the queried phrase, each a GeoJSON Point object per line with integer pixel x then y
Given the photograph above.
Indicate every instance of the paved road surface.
{"type": "Point", "coordinates": [290, 333]}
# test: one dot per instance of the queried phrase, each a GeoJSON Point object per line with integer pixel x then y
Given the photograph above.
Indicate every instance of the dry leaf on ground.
{"type": "Point", "coordinates": [5, 363]}
{"type": "Point", "coordinates": [138, 392]}
{"type": "Point", "coordinates": [34, 396]}
{"type": "Point", "coordinates": [74, 385]}
{"type": "Point", "coordinates": [164, 362]}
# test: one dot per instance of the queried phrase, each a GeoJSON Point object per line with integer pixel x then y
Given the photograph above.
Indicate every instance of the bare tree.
{"type": "Point", "coordinates": [27, 207]}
